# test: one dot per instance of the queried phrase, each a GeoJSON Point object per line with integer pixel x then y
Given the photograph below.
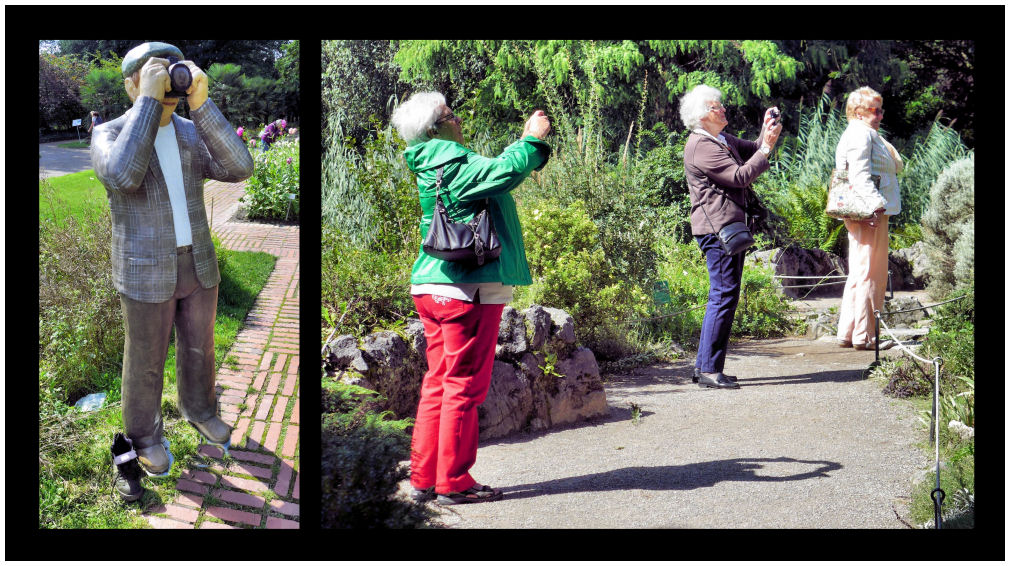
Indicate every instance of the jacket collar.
{"type": "Point", "coordinates": [433, 153]}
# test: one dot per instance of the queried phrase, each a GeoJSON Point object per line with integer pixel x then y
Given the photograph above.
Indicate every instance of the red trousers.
{"type": "Point", "coordinates": [461, 343]}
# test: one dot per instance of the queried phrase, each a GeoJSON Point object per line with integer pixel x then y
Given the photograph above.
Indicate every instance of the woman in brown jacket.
{"type": "Point", "coordinates": [720, 169]}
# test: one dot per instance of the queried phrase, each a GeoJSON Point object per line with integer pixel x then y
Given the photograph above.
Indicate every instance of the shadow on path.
{"type": "Point", "coordinates": [686, 477]}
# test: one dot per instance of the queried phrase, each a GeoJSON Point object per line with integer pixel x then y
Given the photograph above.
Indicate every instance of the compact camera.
{"type": "Point", "coordinates": [775, 116]}
{"type": "Point", "coordinates": [180, 77]}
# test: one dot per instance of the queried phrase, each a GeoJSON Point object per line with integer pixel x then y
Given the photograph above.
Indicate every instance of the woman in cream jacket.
{"type": "Point", "coordinates": [873, 165]}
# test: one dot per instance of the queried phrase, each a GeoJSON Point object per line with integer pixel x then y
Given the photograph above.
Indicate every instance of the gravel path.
{"type": "Point", "coordinates": [805, 442]}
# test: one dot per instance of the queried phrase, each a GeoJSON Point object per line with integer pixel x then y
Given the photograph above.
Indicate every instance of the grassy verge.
{"type": "Point", "coordinates": [75, 145]}
{"type": "Point", "coordinates": [952, 338]}
{"type": "Point", "coordinates": [77, 193]}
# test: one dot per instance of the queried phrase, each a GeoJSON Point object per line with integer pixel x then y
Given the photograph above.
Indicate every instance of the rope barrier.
{"type": "Point", "coordinates": [935, 417]}
{"type": "Point", "coordinates": [925, 307]}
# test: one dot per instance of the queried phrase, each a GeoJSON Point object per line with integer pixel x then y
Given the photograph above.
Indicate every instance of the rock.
{"type": "Point", "coordinates": [511, 335]}
{"type": "Point", "coordinates": [580, 393]}
{"type": "Point", "coordinates": [521, 396]}
{"type": "Point", "coordinates": [509, 402]}
{"type": "Point", "coordinates": [803, 263]}
{"type": "Point", "coordinates": [394, 371]}
{"type": "Point", "coordinates": [344, 354]}
{"type": "Point", "coordinates": [538, 326]}
{"type": "Point", "coordinates": [415, 333]}
{"type": "Point", "coordinates": [905, 319]}
{"type": "Point", "coordinates": [901, 273]}
{"type": "Point", "coordinates": [561, 341]}
{"type": "Point", "coordinates": [917, 259]}
{"type": "Point", "coordinates": [820, 324]}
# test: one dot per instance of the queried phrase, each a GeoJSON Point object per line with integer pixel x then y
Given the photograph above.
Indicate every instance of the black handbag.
{"type": "Point", "coordinates": [735, 237]}
{"type": "Point", "coordinates": [466, 242]}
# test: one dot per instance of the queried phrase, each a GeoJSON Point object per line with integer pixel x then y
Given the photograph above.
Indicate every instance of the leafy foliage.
{"type": "Point", "coordinates": [273, 190]}
{"type": "Point", "coordinates": [361, 454]}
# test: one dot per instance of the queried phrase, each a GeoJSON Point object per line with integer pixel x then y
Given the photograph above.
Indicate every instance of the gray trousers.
{"type": "Point", "coordinates": [192, 310]}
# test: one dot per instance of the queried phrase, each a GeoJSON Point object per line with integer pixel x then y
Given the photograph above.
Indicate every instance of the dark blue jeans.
{"type": "Point", "coordinates": [725, 273]}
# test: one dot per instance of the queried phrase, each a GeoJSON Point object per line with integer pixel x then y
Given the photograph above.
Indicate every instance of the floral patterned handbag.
{"type": "Point", "coordinates": [845, 202]}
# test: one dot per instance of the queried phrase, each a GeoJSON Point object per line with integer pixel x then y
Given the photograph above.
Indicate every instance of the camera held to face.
{"type": "Point", "coordinates": [180, 77]}
{"type": "Point", "coordinates": [774, 115]}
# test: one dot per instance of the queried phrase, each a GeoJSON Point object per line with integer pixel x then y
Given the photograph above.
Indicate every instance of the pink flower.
{"type": "Point", "coordinates": [293, 131]}
{"type": "Point", "coordinates": [289, 161]}
{"type": "Point", "coordinates": [240, 131]}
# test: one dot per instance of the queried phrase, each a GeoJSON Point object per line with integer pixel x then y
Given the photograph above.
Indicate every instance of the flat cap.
{"type": "Point", "coordinates": [139, 55]}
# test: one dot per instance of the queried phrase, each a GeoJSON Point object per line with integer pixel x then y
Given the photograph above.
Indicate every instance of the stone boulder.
{"type": "Point", "coordinates": [522, 395]}
{"type": "Point", "coordinates": [802, 262]}
{"type": "Point", "coordinates": [918, 262]}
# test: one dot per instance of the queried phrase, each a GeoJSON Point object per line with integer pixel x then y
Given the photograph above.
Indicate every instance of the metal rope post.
{"type": "Point", "coordinates": [937, 502]}
{"type": "Point", "coordinates": [876, 340]}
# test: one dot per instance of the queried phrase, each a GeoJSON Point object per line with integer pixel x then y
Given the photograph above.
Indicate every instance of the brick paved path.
{"type": "Point", "coordinates": [258, 485]}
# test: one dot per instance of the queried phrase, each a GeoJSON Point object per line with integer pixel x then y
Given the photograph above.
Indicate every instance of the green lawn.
{"type": "Point", "coordinates": [79, 191]}
{"type": "Point", "coordinates": [75, 145]}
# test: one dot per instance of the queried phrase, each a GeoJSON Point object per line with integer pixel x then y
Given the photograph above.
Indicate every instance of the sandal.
{"type": "Point", "coordinates": [422, 495]}
{"type": "Point", "coordinates": [476, 494]}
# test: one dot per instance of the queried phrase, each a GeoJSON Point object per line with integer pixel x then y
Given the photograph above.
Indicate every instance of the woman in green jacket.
{"type": "Point", "coordinates": [461, 304]}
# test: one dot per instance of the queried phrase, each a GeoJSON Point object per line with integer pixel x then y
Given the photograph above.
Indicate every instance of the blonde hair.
{"type": "Point", "coordinates": [861, 98]}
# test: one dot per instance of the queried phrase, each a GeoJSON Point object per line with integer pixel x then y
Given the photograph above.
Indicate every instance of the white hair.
{"type": "Point", "coordinates": [413, 118]}
{"type": "Point", "coordinates": [694, 104]}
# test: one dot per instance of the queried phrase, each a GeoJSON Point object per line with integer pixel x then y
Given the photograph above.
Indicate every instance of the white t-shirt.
{"type": "Point", "coordinates": [167, 148]}
{"type": "Point", "coordinates": [493, 293]}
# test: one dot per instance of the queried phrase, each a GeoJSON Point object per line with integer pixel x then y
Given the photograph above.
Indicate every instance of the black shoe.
{"type": "Point", "coordinates": [128, 472]}
{"type": "Point", "coordinates": [716, 381]}
{"type": "Point", "coordinates": [697, 374]}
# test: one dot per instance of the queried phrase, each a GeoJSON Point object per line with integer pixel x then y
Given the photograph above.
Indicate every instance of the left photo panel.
{"type": "Point", "coordinates": [169, 214]}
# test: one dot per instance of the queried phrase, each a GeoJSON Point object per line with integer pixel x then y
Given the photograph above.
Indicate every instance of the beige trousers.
{"type": "Point", "coordinates": [867, 282]}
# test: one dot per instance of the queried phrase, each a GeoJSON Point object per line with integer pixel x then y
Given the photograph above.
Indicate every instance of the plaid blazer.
{"type": "Point", "coordinates": [143, 230]}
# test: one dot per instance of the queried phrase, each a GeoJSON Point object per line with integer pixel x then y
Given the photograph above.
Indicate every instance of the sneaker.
{"type": "Point", "coordinates": [128, 472]}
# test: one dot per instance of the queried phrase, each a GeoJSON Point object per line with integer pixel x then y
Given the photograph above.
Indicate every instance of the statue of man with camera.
{"type": "Point", "coordinates": [153, 164]}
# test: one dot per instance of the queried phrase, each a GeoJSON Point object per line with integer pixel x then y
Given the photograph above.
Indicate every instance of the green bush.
{"type": "Point", "coordinates": [948, 228]}
{"type": "Point", "coordinates": [268, 193]}
{"type": "Point", "coordinates": [80, 322]}
{"type": "Point", "coordinates": [761, 312]}
{"type": "Point", "coordinates": [570, 271]}
{"type": "Point", "coordinates": [361, 469]}
{"type": "Point", "coordinates": [366, 288]}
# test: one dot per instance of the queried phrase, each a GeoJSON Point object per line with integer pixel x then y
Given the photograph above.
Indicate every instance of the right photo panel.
{"type": "Point", "coordinates": [616, 284]}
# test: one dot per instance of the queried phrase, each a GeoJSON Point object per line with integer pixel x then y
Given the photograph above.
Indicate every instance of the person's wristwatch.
{"type": "Point", "coordinates": [765, 150]}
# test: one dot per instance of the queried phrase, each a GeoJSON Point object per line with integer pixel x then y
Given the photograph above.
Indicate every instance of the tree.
{"type": "Point", "coordinates": [354, 94]}
{"type": "Point", "coordinates": [224, 87]}
{"type": "Point", "coordinates": [60, 80]}
{"type": "Point", "coordinates": [103, 89]}
{"type": "Point", "coordinates": [289, 71]}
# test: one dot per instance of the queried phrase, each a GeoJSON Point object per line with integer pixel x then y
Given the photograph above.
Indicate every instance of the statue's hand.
{"type": "Point", "coordinates": [154, 79]}
{"type": "Point", "coordinates": [196, 94]}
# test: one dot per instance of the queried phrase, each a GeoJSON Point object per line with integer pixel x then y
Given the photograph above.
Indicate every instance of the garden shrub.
{"type": "Point", "coordinates": [570, 271]}
{"type": "Point", "coordinates": [361, 469]}
{"type": "Point", "coordinates": [80, 322]}
{"type": "Point", "coordinates": [275, 178]}
{"type": "Point", "coordinates": [761, 312]}
{"type": "Point", "coordinates": [368, 288]}
{"type": "Point", "coordinates": [948, 228]}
